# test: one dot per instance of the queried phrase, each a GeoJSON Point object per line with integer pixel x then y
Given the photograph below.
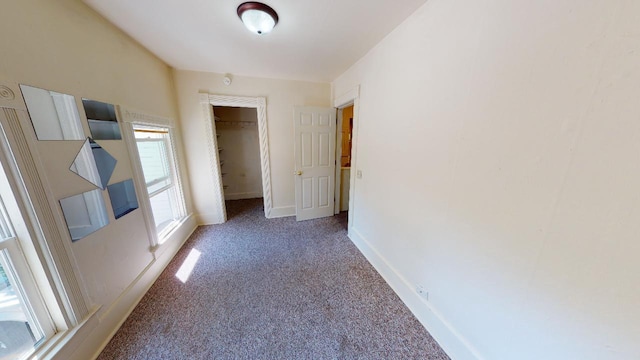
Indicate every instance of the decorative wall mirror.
{"type": "Point", "coordinates": [102, 120]}
{"type": "Point", "coordinates": [94, 164]}
{"type": "Point", "coordinates": [123, 198]}
{"type": "Point", "coordinates": [54, 115]}
{"type": "Point", "coordinates": [84, 213]}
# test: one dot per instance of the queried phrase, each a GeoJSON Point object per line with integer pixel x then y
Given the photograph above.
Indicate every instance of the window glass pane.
{"type": "Point", "coordinates": [164, 208]}
{"type": "Point", "coordinates": [155, 163]}
{"type": "Point", "coordinates": [18, 333]}
{"type": "Point", "coordinates": [5, 229]}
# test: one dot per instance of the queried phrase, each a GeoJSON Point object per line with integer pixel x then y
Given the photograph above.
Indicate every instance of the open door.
{"type": "Point", "coordinates": [315, 151]}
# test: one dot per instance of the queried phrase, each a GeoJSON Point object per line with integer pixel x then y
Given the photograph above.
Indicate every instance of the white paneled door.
{"type": "Point", "coordinates": [315, 154]}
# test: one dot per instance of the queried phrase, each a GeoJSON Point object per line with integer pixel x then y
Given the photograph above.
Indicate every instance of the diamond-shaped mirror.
{"type": "Point", "coordinates": [94, 164]}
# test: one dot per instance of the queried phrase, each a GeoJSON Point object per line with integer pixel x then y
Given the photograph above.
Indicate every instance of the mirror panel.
{"type": "Point", "coordinates": [94, 164]}
{"type": "Point", "coordinates": [84, 213]}
{"type": "Point", "coordinates": [123, 198]}
{"type": "Point", "coordinates": [102, 120]}
{"type": "Point", "coordinates": [54, 115]}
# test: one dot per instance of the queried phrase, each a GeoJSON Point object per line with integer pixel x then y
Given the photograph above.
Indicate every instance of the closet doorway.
{"type": "Point", "coordinates": [239, 152]}
{"type": "Point", "coordinates": [218, 214]}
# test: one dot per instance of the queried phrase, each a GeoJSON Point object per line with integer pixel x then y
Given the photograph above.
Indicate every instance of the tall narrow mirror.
{"type": "Point", "coordinates": [84, 213]}
{"type": "Point", "coordinates": [54, 115]}
{"type": "Point", "coordinates": [94, 164]}
{"type": "Point", "coordinates": [102, 120]}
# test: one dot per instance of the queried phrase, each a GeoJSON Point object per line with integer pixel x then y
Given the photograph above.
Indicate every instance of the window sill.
{"type": "Point", "coordinates": [169, 235]}
{"type": "Point", "coordinates": [61, 345]}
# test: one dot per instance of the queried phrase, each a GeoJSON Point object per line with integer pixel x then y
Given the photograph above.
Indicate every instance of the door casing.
{"type": "Point", "coordinates": [351, 97]}
{"type": "Point", "coordinates": [260, 104]}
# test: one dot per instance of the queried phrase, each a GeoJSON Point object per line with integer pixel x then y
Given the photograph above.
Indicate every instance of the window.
{"type": "Point", "coordinates": [24, 321]}
{"type": "Point", "coordinates": [157, 157]}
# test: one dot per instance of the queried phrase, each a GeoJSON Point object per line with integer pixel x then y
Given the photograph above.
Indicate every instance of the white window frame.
{"type": "Point", "coordinates": [21, 264]}
{"type": "Point", "coordinates": [131, 119]}
{"type": "Point", "coordinates": [43, 253]}
{"type": "Point", "coordinates": [172, 177]}
{"type": "Point", "coordinates": [25, 287]}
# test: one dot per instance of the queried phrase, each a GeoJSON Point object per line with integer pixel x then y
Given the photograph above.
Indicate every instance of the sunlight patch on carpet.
{"type": "Point", "coordinates": [187, 266]}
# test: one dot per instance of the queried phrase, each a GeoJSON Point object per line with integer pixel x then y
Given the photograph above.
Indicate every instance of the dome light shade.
{"type": "Point", "coordinates": [257, 17]}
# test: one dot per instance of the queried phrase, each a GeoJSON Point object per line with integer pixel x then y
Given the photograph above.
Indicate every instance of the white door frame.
{"type": "Point", "coordinates": [352, 97]}
{"type": "Point", "coordinates": [338, 192]}
{"type": "Point", "coordinates": [260, 104]}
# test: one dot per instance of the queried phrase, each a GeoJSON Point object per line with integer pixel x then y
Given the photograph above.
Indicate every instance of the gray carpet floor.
{"type": "Point", "coordinates": [272, 289]}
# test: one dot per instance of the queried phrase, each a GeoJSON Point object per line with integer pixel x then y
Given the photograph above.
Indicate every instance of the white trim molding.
{"type": "Point", "coordinates": [10, 96]}
{"type": "Point", "coordinates": [351, 97]}
{"type": "Point", "coordinates": [220, 211]}
{"type": "Point", "coordinates": [133, 116]}
{"type": "Point", "coordinates": [347, 97]}
{"type": "Point", "coordinates": [284, 211]}
{"type": "Point", "coordinates": [25, 171]}
{"type": "Point", "coordinates": [260, 104]}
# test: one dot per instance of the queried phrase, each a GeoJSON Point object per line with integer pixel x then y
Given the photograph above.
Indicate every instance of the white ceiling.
{"type": "Point", "coordinates": [314, 40]}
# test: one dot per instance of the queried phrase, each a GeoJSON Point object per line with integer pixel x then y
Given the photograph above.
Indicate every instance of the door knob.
{"type": "Point", "coordinates": [298, 173]}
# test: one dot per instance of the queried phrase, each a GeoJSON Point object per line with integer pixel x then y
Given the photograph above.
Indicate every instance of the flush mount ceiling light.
{"type": "Point", "coordinates": [257, 17]}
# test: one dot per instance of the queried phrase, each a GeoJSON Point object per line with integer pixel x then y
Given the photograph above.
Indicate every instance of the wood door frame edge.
{"type": "Point", "coordinates": [350, 97]}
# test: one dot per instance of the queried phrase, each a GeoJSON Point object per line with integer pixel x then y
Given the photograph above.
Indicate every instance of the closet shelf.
{"type": "Point", "coordinates": [236, 123]}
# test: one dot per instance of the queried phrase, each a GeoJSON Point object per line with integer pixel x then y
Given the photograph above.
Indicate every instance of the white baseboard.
{"type": "Point", "coordinates": [97, 336]}
{"type": "Point", "coordinates": [208, 219]}
{"type": "Point", "coordinates": [454, 344]}
{"type": "Point", "coordinates": [278, 212]}
{"type": "Point", "coordinates": [243, 195]}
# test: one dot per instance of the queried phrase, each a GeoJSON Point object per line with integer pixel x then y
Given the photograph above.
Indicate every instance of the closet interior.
{"type": "Point", "coordinates": [239, 149]}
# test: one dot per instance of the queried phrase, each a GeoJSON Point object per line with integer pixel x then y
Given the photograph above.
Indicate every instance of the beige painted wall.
{"type": "Point", "coordinates": [67, 47]}
{"type": "Point", "coordinates": [64, 46]}
{"type": "Point", "coordinates": [515, 126]}
{"type": "Point", "coordinates": [281, 95]}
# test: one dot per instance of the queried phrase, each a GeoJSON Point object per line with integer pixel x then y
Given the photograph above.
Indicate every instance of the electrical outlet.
{"type": "Point", "coordinates": [359, 174]}
{"type": "Point", "coordinates": [422, 292]}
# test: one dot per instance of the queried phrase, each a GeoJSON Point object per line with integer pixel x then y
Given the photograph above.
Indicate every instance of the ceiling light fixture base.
{"type": "Point", "coordinates": [257, 17]}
